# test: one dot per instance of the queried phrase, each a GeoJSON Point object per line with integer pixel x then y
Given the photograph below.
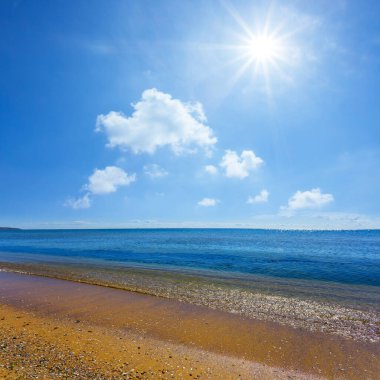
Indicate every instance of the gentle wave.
{"type": "Point", "coordinates": [320, 280]}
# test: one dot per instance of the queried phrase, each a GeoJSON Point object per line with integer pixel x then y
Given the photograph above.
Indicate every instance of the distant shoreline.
{"type": "Point", "coordinates": [192, 228]}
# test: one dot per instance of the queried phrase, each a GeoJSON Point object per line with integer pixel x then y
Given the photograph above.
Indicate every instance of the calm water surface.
{"type": "Point", "coordinates": [347, 257]}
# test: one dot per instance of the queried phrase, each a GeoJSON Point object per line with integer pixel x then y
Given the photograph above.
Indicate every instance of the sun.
{"type": "Point", "coordinates": [263, 54]}
{"type": "Point", "coordinates": [263, 49]}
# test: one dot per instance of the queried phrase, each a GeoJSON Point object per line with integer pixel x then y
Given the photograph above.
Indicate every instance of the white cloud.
{"type": "Point", "coordinates": [82, 202]}
{"type": "Point", "coordinates": [240, 167]}
{"type": "Point", "coordinates": [108, 180]}
{"type": "Point", "coordinates": [155, 171]}
{"type": "Point", "coordinates": [158, 120]}
{"type": "Point", "coordinates": [307, 200]}
{"type": "Point", "coordinates": [104, 181]}
{"type": "Point", "coordinates": [211, 169]}
{"type": "Point", "coordinates": [208, 202]}
{"type": "Point", "coordinates": [259, 198]}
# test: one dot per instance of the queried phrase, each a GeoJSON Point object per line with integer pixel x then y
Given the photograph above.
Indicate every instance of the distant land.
{"type": "Point", "coordinates": [9, 228]}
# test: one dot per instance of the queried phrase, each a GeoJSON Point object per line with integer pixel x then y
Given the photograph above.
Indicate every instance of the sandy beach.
{"type": "Point", "coordinates": [60, 329]}
{"type": "Point", "coordinates": [190, 190]}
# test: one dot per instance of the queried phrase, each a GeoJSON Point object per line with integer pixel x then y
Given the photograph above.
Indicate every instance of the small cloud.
{"type": "Point", "coordinates": [262, 197]}
{"type": "Point", "coordinates": [240, 167]}
{"type": "Point", "coordinates": [108, 180]}
{"type": "Point", "coordinates": [208, 202]}
{"type": "Point", "coordinates": [121, 161]}
{"type": "Point", "coordinates": [310, 199]}
{"type": "Point", "coordinates": [158, 120]}
{"type": "Point", "coordinates": [155, 171]}
{"type": "Point", "coordinates": [102, 181]}
{"type": "Point", "coordinates": [79, 203]}
{"type": "Point", "coordinates": [211, 169]}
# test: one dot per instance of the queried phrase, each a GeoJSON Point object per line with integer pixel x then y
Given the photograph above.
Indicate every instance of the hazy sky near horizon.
{"type": "Point", "coordinates": [190, 113]}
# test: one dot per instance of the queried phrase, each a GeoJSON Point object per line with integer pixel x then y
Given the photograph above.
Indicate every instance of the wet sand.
{"type": "Point", "coordinates": [350, 312]}
{"type": "Point", "coordinates": [176, 339]}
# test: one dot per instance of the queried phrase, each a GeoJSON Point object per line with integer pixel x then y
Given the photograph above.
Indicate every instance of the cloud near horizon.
{"type": "Point", "coordinates": [79, 203]}
{"type": "Point", "coordinates": [155, 171]}
{"type": "Point", "coordinates": [211, 169]}
{"type": "Point", "coordinates": [208, 202]}
{"type": "Point", "coordinates": [107, 180]}
{"type": "Point", "coordinates": [102, 181]}
{"type": "Point", "coordinates": [262, 197]}
{"type": "Point", "coordinates": [310, 199]}
{"type": "Point", "coordinates": [240, 167]}
{"type": "Point", "coordinates": [158, 120]}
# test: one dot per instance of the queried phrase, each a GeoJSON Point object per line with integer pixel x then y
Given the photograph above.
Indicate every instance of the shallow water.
{"type": "Point", "coordinates": [351, 257]}
{"type": "Point", "coordinates": [321, 280]}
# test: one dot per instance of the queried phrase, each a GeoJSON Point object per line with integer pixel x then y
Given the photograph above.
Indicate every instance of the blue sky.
{"type": "Point", "coordinates": [191, 113]}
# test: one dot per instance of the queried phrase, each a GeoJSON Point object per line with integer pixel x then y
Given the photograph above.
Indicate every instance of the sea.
{"type": "Point", "coordinates": [328, 273]}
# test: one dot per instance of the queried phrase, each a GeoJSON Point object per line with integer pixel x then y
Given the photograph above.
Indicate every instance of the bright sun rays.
{"type": "Point", "coordinates": [263, 53]}
{"type": "Point", "coordinates": [263, 49]}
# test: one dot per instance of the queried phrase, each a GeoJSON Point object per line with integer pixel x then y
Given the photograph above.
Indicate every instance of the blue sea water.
{"type": "Point", "coordinates": [346, 257]}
